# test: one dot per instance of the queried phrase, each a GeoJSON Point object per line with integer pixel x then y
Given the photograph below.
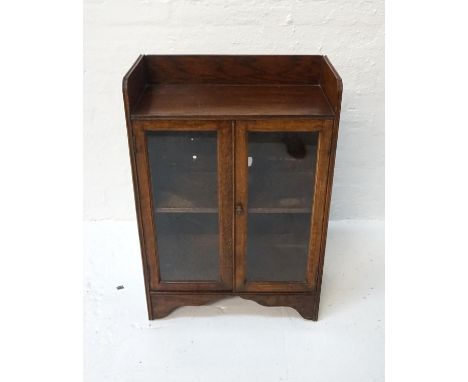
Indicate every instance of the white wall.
{"type": "Point", "coordinates": [351, 33]}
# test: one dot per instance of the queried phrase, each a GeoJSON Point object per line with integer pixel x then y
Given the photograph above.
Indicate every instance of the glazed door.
{"type": "Point", "coordinates": [185, 188]}
{"type": "Point", "coordinates": [281, 178]}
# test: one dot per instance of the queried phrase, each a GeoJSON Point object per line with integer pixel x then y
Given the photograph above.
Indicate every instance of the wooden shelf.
{"type": "Point", "coordinates": [260, 210]}
{"type": "Point", "coordinates": [232, 101]}
{"type": "Point", "coordinates": [189, 192]}
{"type": "Point", "coordinates": [268, 154]}
{"type": "Point", "coordinates": [293, 192]}
{"type": "Point", "coordinates": [176, 210]}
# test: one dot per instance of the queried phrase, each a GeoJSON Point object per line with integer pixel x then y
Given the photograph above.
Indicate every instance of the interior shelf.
{"type": "Point", "coordinates": [195, 210]}
{"type": "Point", "coordinates": [181, 210]}
{"type": "Point", "coordinates": [228, 101]}
{"type": "Point", "coordinates": [189, 192]}
{"type": "Point", "coordinates": [288, 193]}
{"type": "Point", "coordinates": [273, 210]}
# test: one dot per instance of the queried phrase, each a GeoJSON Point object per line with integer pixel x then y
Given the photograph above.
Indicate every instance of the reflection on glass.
{"type": "Point", "coordinates": [281, 176]}
{"type": "Point", "coordinates": [183, 169]}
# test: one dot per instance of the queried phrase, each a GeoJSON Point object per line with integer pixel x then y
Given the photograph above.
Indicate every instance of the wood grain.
{"type": "Point", "coordinates": [223, 69]}
{"type": "Point", "coordinates": [332, 85]}
{"type": "Point", "coordinates": [304, 303]}
{"type": "Point", "coordinates": [133, 85]}
{"type": "Point", "coordinates": [318, 205]}
{"type": "Point", "coordinates": [335, 99]}
{"type": "Point", "coordinates": [225, 203]}
{"type": "Point", "coordinates": [232, 101]}
{"type": "Point", "coordinates": [241, 199]}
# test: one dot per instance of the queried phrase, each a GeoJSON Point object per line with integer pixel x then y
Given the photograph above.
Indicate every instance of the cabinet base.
{"type": "Point", "coordinates": [163, 303]}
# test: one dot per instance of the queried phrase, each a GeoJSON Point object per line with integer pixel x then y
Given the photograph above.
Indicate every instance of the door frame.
{"type": "Point", "coordinates": [325, 130]}
{"type": "Point", "coordinates": [225, 202]}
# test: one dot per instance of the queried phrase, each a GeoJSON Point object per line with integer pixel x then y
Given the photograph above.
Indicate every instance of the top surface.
{"type": "Point", "coordinates": [199, 100]}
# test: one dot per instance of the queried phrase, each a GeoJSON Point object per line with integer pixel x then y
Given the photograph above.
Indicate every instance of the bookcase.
{"type": "Point", "coordinates": [232, 161]}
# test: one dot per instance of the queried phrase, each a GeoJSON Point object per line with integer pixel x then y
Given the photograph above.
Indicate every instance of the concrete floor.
{"type": "Point", "coordinates": [235, 339]}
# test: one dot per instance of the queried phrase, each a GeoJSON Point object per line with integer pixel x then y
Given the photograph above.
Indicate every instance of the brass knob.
{"type": "Point", "coordinates": [239, 209]}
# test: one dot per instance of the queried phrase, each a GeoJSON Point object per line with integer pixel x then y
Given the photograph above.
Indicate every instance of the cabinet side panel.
{"type": "Point", "coordinates": [333, 87]}
{"type": "Point", "coordinates": [132, 86]}
{"type": "Point", "coordinates": [319, 215]}
{"type": "Point", "coordinates": [332, 84]}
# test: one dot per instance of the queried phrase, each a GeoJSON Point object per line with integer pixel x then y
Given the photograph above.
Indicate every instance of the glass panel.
{"type": "Point", "coordinates": [281, 177]}
{"type": "Point", "coordinates": [183, 168]}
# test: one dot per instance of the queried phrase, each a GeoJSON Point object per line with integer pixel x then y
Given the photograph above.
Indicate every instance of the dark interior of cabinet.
{"type": "Point", "coordinates": [188, 246]}
{"type": "Point", "coordinates": [183, 167]}
{"type": "Point", "coordinates": [281, 168]}
{"type": "Point", "coordinates": [277, 247]}
{"type": "Point", "coordinates": [281, 178]}
{"type": "Point", "coordinates": [183, 174]}
{"type": "Point", "coordinates": [183, 164]}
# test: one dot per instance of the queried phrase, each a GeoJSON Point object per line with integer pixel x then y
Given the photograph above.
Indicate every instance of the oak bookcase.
{"type": "Point", "coordinates": [232, 161]}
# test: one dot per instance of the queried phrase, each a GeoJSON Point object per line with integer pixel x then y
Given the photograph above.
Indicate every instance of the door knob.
{"type": "Point", "coordinates": [239, 209]}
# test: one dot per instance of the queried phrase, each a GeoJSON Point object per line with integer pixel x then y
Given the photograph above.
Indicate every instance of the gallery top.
{"type": "Point", "coordinates": [232, 87]}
